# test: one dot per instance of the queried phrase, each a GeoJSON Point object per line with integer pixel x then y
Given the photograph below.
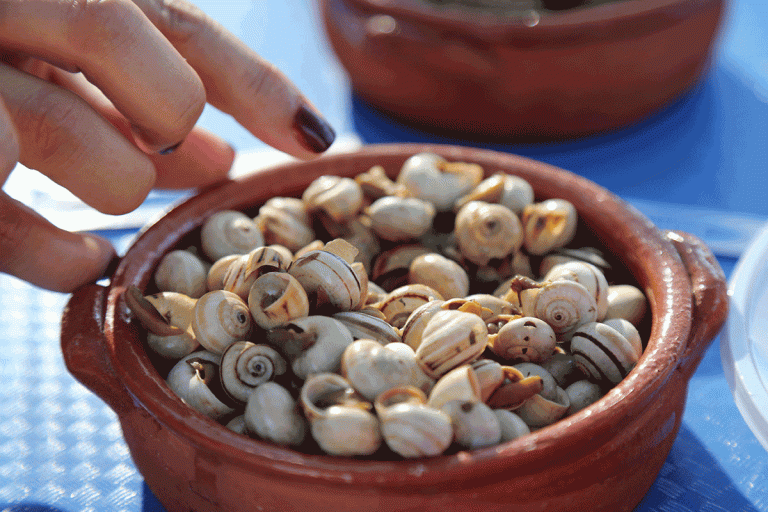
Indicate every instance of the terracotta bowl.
{"type": "Point", "coordinates": [603, 458]}
{"type": "Point", "coordinates": [565, 74]}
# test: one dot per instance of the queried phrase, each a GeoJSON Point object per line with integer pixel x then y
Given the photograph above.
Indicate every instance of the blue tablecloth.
{"type": "Point", "coordinates": [61, 448]}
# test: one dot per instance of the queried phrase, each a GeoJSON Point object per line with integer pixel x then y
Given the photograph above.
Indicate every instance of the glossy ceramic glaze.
{"type": "Point", "coordinates": [603, 458]}
{"type": "Point", "coordinates": [566, 74]}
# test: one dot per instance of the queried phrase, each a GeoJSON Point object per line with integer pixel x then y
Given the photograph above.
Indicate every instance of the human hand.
{"type": "Point", "coordinates": [103, 96]}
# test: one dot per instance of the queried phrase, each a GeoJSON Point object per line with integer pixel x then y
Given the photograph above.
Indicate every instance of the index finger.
{"type": "Point", "coordinates": [121, 52]}
{"type": "Point", "coordinates": [239, 82]}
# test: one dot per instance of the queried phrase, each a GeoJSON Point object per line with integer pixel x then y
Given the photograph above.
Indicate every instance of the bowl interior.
{"type": "Point", "coordinates": [636, 247]}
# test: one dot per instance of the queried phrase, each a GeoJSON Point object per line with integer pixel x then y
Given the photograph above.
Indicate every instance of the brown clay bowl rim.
{"type": "Point", "coordinates": [649, 255]}
{"type": "Point", "coordinates": [615, 20]}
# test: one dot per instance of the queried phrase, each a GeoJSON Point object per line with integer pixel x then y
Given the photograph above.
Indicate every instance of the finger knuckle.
{"type": "Point", "coordinates": [47, 121]}
{"type": "Point", "coordinates": [262, 82]}
{"type": "Point", "coordinates": [180, 20]}
{"type": "Point", "coordinates": [100, 27]}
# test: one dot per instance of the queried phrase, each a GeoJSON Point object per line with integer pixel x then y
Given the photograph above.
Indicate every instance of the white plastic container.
{"type": "Point", "coordinates": [744, 339]}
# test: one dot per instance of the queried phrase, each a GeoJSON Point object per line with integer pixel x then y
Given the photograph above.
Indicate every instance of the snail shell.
{"type": "Point", "coordinates": [540, 412]}
{"type": "Point", "coordinates": [458, 384]}
{"type": "Point", "coordinates": [219, 319]}
{"type": "Point", "coordinates": [319, 343]}
{"type": "Point", "coordinates": [588, 275]}
{"type": "Point", "coordinates": [583, 393]}
{"type": "Point", "coordinates": [524, 339]}
{"type": "Point", "coordinates": [182, 272]}
{"type": "Point", "coordinates": [548, 225]}
{"type": "Point", "coordinates": [372, 368]}
{"type": "Point", "coordinates": [363, 325]}
{"type": "Point", "coordinates": [512, 425]}
{"type": "Point", "coordinates": [432, 178]}
{"type": "Point", "coordinates": [284, 221]}
{"type": "Point", "coordinates": [229, 232]}
{"type": "Point", "coordinates": [339, 198]}
{"type": "Point", "coordinates": [192, 378]}
{"type": "Point", "coordinates": [563, 367]}
{"type": "Point", "coordinates": [627, 302]}
{"type": "Point", "coordinates": [402, 301]}
{"type": "Point", "coordinates": [414, 326]}
{"type": "Point", "coordinates": [475, 425]}
{"type": "Point", "coordinates": [603, 353]}
{"type": "Point", "coordinates": [445, 276]}
{"type": "Point", "coordinates": [486, 231]}
{"type": "Point", "coordinates": [215, 278]}
{"type": "Point", "coordinates": [629, 331]}
{"type": "Point", "coordinates": [245, 365]}
{"type": "Point", "coordinates": [451, 339]}
{"type": "Point", "coordinates": [174, 346]}
{"type": "Point", "coordinates": [375, 183]}
{"type": "Point", "coordinates": [564, 305]}
{"type": "Point", "coordinates": [329, 279]}
{"type": "Point", "coordinates": [409, 427]}
{"type": "Point", "coordinates": [340, 424]}
{"type": "Point", "coordinates": [490, 375]}
{"type": "Point", "coordinates": [399, 219]}
{"type": "Point", "coordinates": [277, 298]}
{"type": "Point", "coordinates": [271, 413]}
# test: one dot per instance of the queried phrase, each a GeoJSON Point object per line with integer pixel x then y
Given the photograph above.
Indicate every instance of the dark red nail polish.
{"type": "Point", "coordinates": [314, 132]}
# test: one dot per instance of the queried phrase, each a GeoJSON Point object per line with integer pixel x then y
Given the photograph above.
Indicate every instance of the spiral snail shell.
{"type": "Point", "coordinates": [246, 365]}
{"type": "Point", "coordinates": [564, 305]}
{"type": "Point", "coordinates": [219, 319]}
{"type": "Point", "coordinates": [409, 427]}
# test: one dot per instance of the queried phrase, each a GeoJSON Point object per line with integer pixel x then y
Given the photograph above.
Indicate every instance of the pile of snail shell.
{"type": "Point", "coordinates": [401, 317]}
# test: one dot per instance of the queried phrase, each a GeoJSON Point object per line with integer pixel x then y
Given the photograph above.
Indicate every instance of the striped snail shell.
{"type": "Point", "coordinates": [328, 279]}
{"type": "Point", "coordinates": [409, 427]}
{"type": "Point", "coordinates": [401, 302]}
{"type": "Point", "coordinates": [603, 353]}
{"type": "Point", "coordinates": [277, 298]}
{"type": "Point", "coordinates": [450, 339]}
{"type": "Point", "coordinates": [363, 325]}
{"type": "Point", "coordinates": [220, 318]}
{"type": "Point", "coordinates": [246, 365]}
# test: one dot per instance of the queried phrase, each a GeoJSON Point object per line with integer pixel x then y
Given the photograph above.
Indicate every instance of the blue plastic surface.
{"type": "Point", "coordinates": [61, 448]}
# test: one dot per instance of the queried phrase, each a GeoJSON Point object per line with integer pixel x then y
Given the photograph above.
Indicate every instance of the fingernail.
{"type": "Point", "coordinates": [314, 132]}
{"type": "Point", "coordinates": [170, 149]}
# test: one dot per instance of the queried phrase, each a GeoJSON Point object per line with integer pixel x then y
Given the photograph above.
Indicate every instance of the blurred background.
{"type": "Point", "coordinates": [698, 165]}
